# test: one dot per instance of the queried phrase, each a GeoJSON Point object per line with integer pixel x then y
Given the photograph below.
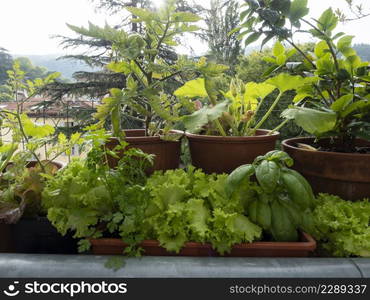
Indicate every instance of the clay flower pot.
{"type": "Point", "coordinates": [302, 248]}
{"type": "Point", "coordinates": [167, 153]}
{"type": "Point", "coordinates": [344, 174]}
{"type": "Point", "coordinates": [218, 154]}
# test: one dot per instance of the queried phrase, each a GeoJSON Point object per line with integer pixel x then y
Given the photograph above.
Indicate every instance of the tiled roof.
{"type": "Point", "coordinates": [42, 106]}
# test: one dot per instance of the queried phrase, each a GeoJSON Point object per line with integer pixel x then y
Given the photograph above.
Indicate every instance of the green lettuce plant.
{"type": "Point", "coordinates": [336, 102]}
{"type": "Point", "coordinates": [233, 112]}
{"type": "Point", "coordinates": [342, 226]}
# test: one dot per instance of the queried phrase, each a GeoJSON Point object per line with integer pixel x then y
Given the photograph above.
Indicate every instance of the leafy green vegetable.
{"type": "Point", "coordinates": [193, 206]}
{"type": "Point", "coordinates": [342, 227]}
{"type": "Point", "coordinates": [172, 207]}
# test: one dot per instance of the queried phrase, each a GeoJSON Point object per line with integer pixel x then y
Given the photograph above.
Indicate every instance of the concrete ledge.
{"type": "Point", "coordinates": [74, 266]}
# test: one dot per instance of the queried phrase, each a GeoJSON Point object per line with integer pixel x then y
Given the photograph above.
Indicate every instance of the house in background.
{"type": "Point", "coordinates": [61, 115]}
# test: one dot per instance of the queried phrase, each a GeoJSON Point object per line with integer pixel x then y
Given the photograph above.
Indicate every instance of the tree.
{"type": "Point", "coordinates": [99, 51]}
{"type": "Point", "coordinates": [363, 51]}
{"type": "Point", "coordinates": [357, 12]}
{"type": "Point", "coordinates": [6, 62]}
{"type": "Point", "coordinates": [32, 72]}
{"type": "Point", "coordinates": [221, 19]}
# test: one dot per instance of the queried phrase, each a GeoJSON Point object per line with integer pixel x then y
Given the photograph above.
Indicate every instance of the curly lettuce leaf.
{"type": "Point", "coordinates": [230, 229]}
{"type": "Point", "coordinates": [343, 226]}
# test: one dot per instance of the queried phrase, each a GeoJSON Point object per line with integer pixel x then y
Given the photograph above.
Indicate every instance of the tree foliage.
{"type": "Point", "coordinates": [6, 62]}
{"type": "Point", "coordinates": [221, 19]}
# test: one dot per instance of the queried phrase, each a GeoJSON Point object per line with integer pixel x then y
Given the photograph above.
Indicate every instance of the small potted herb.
{"type": "Point", "coordinates": [334, 107]}
{"type": "Point", "coordinates": [146, 100]}
{"type": "Point", "coordinates": [226, 130]}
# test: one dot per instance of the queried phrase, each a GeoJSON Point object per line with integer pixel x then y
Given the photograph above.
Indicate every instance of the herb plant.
{"type": "Point", "coordinates": [336, 102]}
{"type": "Point", "coordinates": [284, 200]}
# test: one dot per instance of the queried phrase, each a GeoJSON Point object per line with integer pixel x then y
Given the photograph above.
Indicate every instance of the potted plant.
{"type": "Point", "coordinates": [180, 212]}
{"type": "Point", "coordinates": [226, 129]}
{"type": "Point", "coordinates": [334, 107]}
{"type": "Point", "coordinates": [151, 75]}
{"type": "Point", "coordinates": [23, 174]}
{"type": "Point", "coordinates": [88, 198]}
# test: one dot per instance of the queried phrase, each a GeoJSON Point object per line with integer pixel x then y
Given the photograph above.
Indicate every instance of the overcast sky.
{"type": "Point", "coordinates": [26, 26]}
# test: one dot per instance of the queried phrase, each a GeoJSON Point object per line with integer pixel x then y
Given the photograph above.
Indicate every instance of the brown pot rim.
{"type": "Point", "coordinates": [287, 143]}
{"type": "Point", "coordinates": [307, 243]}
{"type": "Point", "coordinates": [143, 139]}
{"type": "Point", "coordinates": [264, 136]}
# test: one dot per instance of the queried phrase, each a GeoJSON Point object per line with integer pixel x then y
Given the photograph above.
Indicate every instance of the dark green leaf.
{"type": "Point", "coordinates": [236, 178]}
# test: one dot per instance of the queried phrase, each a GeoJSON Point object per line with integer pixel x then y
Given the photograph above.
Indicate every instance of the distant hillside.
{"type": "Point", "coordinates": [65, 66]}
{"type": "Point", "coordinates": [363, 50]}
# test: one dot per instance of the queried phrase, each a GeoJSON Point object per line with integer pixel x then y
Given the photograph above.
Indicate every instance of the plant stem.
{"type": "Point", "coordinates": [282, 124]}
{"type": "Point", "coordinates": [250, 122]}
{"type": "Point", "coordinates": [268, 113]}
{"type": "Point", "coordinates": [301, 52]}
{"type": "Point", "coordinates": [27, 140]}
{"type": "Point", "coordinates": [219, 127]}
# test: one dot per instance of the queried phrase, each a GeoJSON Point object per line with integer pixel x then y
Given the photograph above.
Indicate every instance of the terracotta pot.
{"type": "Point", "coordinates": [344, 174]}
{"type": "Point", "coordinates": [33, 163]}
{"type": "Point", "coordinates": [257, 249]}
{"type": "Point", "coordinates": [167, 153]}
{"type": "Point", "coordinates": [217, 154]}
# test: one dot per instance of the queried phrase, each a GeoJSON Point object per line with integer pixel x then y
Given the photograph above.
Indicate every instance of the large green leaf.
{"type": "Point", "coordinates": [327, 21]}
{"type": "Point", "coordinates": [341, 103]}
{"type": "Point", "coordinates": [195, 121]}
{"type": "Point", "coordinates": [119, 67]}
{"type": "Point", "coordinates": [278, 49]}
{"type": "Point", "coordinates": [235, 179]}
{"type": "Point", "coordinates": [252, 38]}
{"type": "Point", "coordinates": [285, 82]}
{"type": "Point", "coordinates": [142, 13]}
{"type": "Point", "coordinates": [313, 121]}
{"type": "Point", "coordinates": [258, 90]}
{"type": "Point", "coordinates": [185, 17]}
{"type": "Point", "coordinates": [268, 175]}
{"type": "Point", "coordinates": [193, 88]}
{"type": "Point", "coordinates": [358, 105]}
{"type": "Point", "coordinates": [344, 45]}
{"type": "Point", "coordinates": [298, 9]}
{"type": "Point", "coordinates": [321, 49]}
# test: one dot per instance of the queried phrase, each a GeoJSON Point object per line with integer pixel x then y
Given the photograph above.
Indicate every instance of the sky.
{"type": "Point", "coordinates": [27, 26]}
